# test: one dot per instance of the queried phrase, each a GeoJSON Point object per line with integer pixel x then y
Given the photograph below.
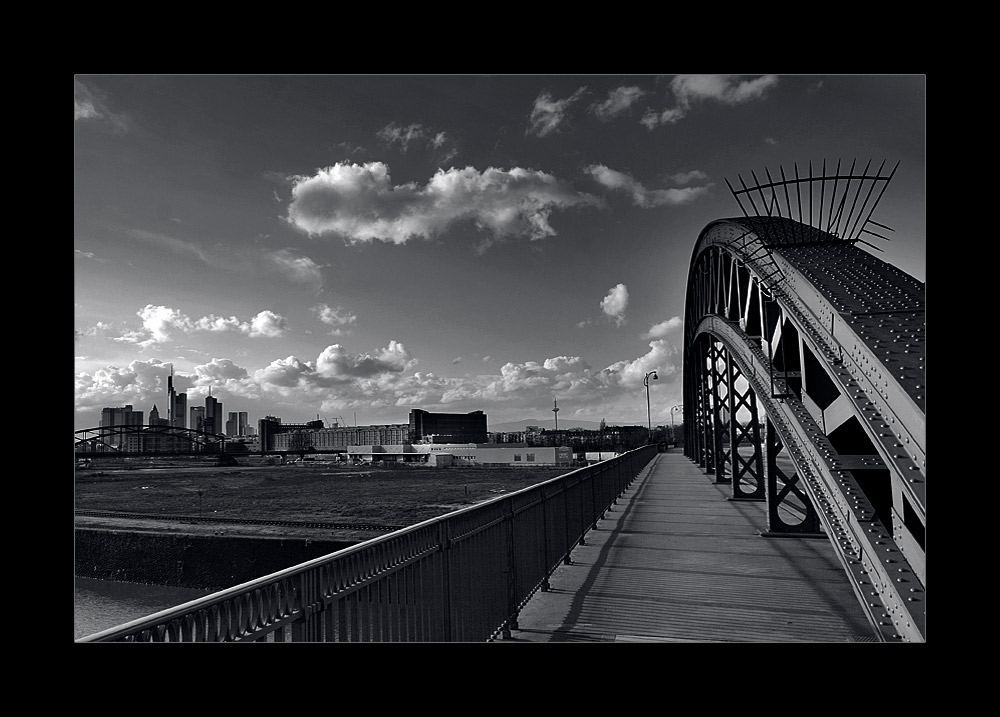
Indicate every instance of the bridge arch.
{"type": "Point", "coordinates": [804, 388]}
{"type": "Point", "coordinates": [145, 440]}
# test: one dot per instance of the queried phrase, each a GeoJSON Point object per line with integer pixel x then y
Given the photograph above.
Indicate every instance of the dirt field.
{"type": "Point", "coordinates": [311, 491]}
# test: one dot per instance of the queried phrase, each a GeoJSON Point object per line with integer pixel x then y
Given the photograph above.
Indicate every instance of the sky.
{"type": "Point", "coordinates": [351, 247]}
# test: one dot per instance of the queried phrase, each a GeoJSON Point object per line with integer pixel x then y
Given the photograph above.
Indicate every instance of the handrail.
{"type": "Point", "coordinates": [461, 577]}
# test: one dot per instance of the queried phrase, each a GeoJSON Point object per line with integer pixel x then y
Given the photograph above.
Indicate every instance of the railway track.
{"type": "Point", "coordinates": [239, 521]}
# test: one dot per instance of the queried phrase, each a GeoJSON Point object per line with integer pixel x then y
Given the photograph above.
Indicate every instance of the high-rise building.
{"type": "Point", "coordinates": [233, 424]}
{"type": "Point", "coordinates": [213, 414]}
{"type": "Point", "coordinates": [179, 411]}
{"type": "Point", "coordinates": [243, 424]}
{"type": "Point", "coordinates": [123, 416]}
{"type": "Point", "coordinates": [197, 418]}
{"type": "Point", "coordinates": [447, 427]}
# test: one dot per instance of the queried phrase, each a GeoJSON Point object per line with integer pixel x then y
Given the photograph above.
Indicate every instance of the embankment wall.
{"type": "Point", "coordinates": [212, 562]}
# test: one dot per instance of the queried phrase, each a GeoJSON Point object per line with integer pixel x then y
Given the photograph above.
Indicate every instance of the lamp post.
{"type": "Point", "coordinates": [673, 436]}
{"type": "Point", "coordinates": [649, 420]}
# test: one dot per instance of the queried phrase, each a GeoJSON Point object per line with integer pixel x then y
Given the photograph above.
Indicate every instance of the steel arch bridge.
{"type": "Point", "coordinates": [145, 440]}
{"type": "Point", "coordinates": [804, 388]}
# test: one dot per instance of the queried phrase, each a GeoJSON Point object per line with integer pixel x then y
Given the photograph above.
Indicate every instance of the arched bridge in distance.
{"type": "Point", "coordinates": [145, 440]}
{"type": "Point", "coordinates": [804, 381]}
{"type": "Point", "coordinates": [803, 390]}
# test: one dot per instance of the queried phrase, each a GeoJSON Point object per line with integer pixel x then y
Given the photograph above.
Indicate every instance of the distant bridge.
{"type": "Point", "coordinates": [145, 440]}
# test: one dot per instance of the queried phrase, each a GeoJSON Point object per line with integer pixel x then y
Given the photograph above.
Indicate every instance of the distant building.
{"type": "Point", "coordinates": [213, 415]}
{"type": "Point", "coordinates": [468, 454]}
{"type": "Point", "coordinates": [123, 416]}
{"type": "Point", "coordinates": [197, 418]}
{"type": "Point", "coordinates": [338, 438]}
{"type": "Point", "coordinates": [427, 427]}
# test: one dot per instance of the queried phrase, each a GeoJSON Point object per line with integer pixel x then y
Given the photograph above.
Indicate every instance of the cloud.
{"type": "Point", "coordinates": [300, 269]}
{"type": "Point", "coordinates": [689, 90]}
{"type": "Point", "coordinates": [661, 358]}
{"type": "Point", "coordinates": [548, 114]}
{"type": "Point", "coordinates": [662, 329]}
{"type": "Point", "coordinates": [619, 101]}
{"type": "Point", "coordinates": [88, 255]}
{"type": "Point", "coordinates": [337, 317]}
{"type": "Point", "coordinates": [137, 383]}
{"type": "Point", "coordinates": [456, 360]}
{"type": "Point", "coordinates": [90, 105]}
{"type": "Point", "coordinates": [160, 323]}
{"type": "Point", "coordinates": [178, 246]}
{"type": "Point", "coordinates": [267, 323]}
{"type": "Point", "coordinates": [685, 177]}
{"type": "Point", "coordinates": [337, 364]}
{"type": "Point", "coordinates": [416, 134]}
{"type": "Point", "coordinates": [615, 303]}
{"type": "Point", "coordinates": [360, 203]}
{"type": "Point", "coordinates": [724, 89]}
{"type": "Point", "coordinates": [652, 119]}
{"type": "Point", "coordinates": [392, 134]}
{"type": "Point", "coordinates": [642, 197]}
{"type": "Point", "coordinates": [386, 380]}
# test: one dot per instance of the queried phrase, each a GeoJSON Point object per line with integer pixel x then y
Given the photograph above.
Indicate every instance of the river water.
{"type": "Point", "coordinates": [100, 604]}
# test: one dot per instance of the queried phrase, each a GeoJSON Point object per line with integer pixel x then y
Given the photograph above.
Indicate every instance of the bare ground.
{"type": "Point", "coordinates": [195, 491]}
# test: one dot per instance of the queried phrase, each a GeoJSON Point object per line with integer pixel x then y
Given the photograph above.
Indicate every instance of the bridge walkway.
{"type": "Point", "coordinates": [676, 561]}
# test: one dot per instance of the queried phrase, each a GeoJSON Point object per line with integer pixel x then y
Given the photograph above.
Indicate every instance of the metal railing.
{"type": "Point", "coordinates": [462, 577]}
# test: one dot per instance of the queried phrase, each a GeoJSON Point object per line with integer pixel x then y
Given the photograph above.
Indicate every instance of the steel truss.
{"type": "Point", "coordinates": [145, 439]}
{"type": "Point", "coordinates": [804, 388]}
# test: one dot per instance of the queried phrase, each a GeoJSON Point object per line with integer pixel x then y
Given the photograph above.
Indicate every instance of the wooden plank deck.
{"type": "Point", "coordinates": [675, 561]}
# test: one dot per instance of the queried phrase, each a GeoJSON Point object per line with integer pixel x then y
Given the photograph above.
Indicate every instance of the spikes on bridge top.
{"type": "Point", "coordinates": [807, 211]}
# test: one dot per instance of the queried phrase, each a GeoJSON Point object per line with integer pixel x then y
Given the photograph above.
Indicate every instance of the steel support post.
{"type": "Point", "coordinates": [778, 498]}
{"type": "Point", "coordinates": [717, 353]}
{"type": "Point", "coordinates": [749, 434]}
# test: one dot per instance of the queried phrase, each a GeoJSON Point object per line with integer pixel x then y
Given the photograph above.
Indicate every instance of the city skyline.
{"type": "Point", "coordinates": [356, 246]}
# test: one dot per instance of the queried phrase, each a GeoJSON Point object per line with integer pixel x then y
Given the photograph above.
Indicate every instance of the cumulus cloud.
{"type": "Point", "coordinates": [641, 196]}
{"type": "Point", "coordinates": [267, 323]}
{"type": "Point", "coordinates": [360, 203]}
{"type": "Point", "coordinates": [661, 357]}
{"type": "Point", "coordinates": [689, 90]}
{"type": "Point", "coordinates": [161, 323]}
{"type": "Point", "coordinates": [337, 317]}
{"type": "Point", "coordinates": [137, 383]}
{"type": "Point", "coordinates": [615, 303]}
{"type": "Point", "coordinates": [619, 100]}
{"type": "Point", "coordinates": [338, 379]}
{"type": "Point", "coordinates": [548, 114]}
{"type": "Point", "coordinates": [337, 364]}
{"type": "Point", "coordinates": [662, 329]}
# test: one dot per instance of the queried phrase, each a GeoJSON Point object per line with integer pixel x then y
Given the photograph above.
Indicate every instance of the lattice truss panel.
{"type": "Point", "coordinates": [804, 388]}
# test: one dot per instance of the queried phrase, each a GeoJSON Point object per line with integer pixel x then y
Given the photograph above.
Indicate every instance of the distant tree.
{"type": "Point", "coordinates": [301, 442]}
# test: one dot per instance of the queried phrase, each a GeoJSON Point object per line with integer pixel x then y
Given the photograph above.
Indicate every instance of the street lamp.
{"type": "Point", "coordinates": [649, 420]}
{"type": "Point", "coordinates": [673, 436]}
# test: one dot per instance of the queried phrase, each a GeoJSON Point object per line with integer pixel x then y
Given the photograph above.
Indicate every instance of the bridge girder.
{"type": "Point", "coordinates": [827, 342]}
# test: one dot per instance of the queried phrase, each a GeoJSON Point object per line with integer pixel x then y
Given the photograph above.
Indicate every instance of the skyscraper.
{"type": "Point", "coordinates": [197, 418]}
{"type": "Point", "coordinates": [213, 414]}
